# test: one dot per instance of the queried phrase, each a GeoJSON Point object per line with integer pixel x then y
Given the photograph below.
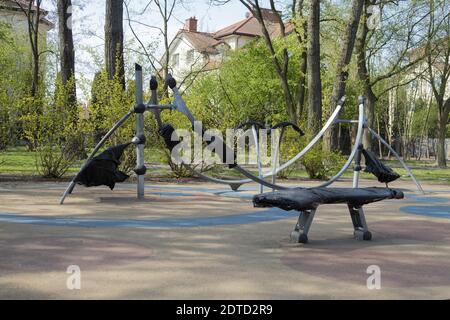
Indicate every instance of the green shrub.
{"type": "Point", "coordinates": [109, 103]}
{"type": "Point", "coordinates": [49, 133]}
{"type": "Point", "coordinates": [5, 127]}
{"type": "Point", "coordinates": [320, 164]}
{"type": "Point", "coordinates": [290, 147]}
{"type": "Point", "coordinates": [14, 80]}
{"type": "Point", "coordinates": [55, 131]}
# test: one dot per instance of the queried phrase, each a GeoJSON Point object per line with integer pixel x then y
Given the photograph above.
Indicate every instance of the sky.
{"type": "Point", "coordinates": [88, 19]}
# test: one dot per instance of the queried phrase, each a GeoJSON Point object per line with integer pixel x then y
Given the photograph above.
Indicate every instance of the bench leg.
{"type": "Point", "coordinates": [362, 232]}
{"type": "Point", "coordinates": [305, 219]}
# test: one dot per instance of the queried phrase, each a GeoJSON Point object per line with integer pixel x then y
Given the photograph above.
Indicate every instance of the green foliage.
{"type": "Point", "coordinates": [110, 103]}
{"type": "Point", "coordinates": [290, 147]}
{"type": "Point", "coordinates": [420, 125]}
{"type": "Point", "coordinates": [14, 77]}
{"type": "Point", "coordinates": [320, 164]}
{"type": "Point", "coordinates": [245, 88]}
{"type": "Point", "coordinates": [53, 128]}
{"type": "Point", "coordinates": [5, 125]}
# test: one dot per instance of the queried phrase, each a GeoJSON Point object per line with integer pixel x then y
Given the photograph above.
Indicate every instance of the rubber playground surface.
{"type": "Point", "coordinates": [202, 241]}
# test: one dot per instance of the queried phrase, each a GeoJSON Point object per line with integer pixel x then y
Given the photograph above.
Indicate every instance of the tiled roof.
{"type": "Point", "coordinates": [17, 4]}
{"type": "Point", "coordinates": [203, 42]}
{"type": "Point", "coordinates": [207, 42]}
{"type": "Point", "coordinates": [250, 26]}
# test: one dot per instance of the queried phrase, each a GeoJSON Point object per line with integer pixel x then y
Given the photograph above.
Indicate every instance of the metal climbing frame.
{"type": "Point", "coordinates": [179, 105]}
{"type": "Point", "coordinates": [139, 140]}
{"type": "Point", "coordinates": [334, 119]}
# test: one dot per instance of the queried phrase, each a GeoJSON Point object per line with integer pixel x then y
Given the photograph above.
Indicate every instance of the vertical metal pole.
{"type": "Point", "coordinates": [358, 168]}
{"type": "Point", "coordinates": [276, 157]}
{"type": "Point", "coordinates": [140, 132]}
{"type": "Point", "coordinates": [358, 156]}
{"type": "Point", "coordinates": [258, 156]}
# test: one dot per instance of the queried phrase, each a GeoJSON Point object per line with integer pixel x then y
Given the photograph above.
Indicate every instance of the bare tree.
{"type": "Point", "coordinates": [32, 10]}
{"type": "Point", "coordinates": [332, 141]}
{"type": "Point", "coordinates": [314, 77]}
{"type": "Point", "coordinates": [66, 48]}
{"type": "Point", "coordinates": [114, 59]}
{"type": "Point", "coordinates": [161, 67]}
{"type": "Point", "coordinates": [438, 65]}
{"type": "Point", "coordinates": [301, 31]}
{"type": "Point", "coordinates": [400, 35]}
{"type": "Point", "coordinates": [165, 9]}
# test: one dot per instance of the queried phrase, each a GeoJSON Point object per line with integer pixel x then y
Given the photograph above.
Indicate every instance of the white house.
{"type": "Point", "coordinates": [419, 86]}
{"type": "Point", "coordinates": [193, 50]}
{"type": "Point", "coordinates": [11, 13]}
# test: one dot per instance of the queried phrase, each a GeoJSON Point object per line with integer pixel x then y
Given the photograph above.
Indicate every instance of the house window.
{"type": "Point", "coordinates": [190, 56]}
{"type": "Point", "coordinates": [175, 60]}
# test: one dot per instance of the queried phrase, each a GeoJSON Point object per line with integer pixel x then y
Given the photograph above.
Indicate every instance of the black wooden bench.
{"type": "Point", "coordinates": [306, 201]}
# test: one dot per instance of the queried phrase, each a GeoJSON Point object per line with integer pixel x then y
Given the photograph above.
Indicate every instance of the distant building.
{"type": "Point", "coordinates": [192, 49]}
{"type": "Point", "coordinates": [418, 76]}
{"type": "Point", "coordinates": [11, 13]}
{"type": "Point", "coordinates": [419, 87]}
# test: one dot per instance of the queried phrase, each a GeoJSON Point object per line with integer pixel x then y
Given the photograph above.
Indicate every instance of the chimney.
{"type": "Point", "coordinates": [191, 24]}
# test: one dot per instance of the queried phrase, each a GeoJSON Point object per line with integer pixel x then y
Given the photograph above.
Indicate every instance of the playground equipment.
{"type": "Point", "coordinates": [166, 130]}
{"type": "Point", "coordinates": [307, 201]}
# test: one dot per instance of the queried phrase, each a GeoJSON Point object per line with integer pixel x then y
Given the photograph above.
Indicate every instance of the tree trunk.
{"type": "Point", "coordinates": [33, 29]}
{"type": "Point", "coordinates": [442, 134]}
{"type": "Point", "coordinates": [364, 77]}
{"type": "Point", "coordinates": [66, 48]}
{"type": "Point", "coordinates": [371, 101]}
{"type": "Point", "coordinates": [332, 136]}
{"type": "Point", "coordinates": [314, 78]}
{"type": "Point", "coordinates": [301, 95]}
{"type": "Point", "coordinates": [114, 40]}
{"type": "Point", "coordinates": [35, 74]}
{"type": "Point", "coordinates": [298, 10]}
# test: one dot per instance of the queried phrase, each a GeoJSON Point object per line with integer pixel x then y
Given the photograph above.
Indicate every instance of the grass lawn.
{"type": "Point", "coordinates": [18, 161]}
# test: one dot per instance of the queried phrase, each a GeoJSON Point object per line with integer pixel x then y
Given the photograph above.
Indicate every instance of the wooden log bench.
{"type": "Point", "coordinates": [307, 201]}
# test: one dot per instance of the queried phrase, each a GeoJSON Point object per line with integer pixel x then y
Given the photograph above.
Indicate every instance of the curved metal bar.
{"type": "Point", "coordinates": [275, 157]}
{"type": "Point", "coordinates": [260, 181]}
{"type": "Point", "coordinates": [358, 142]}
{"type": "Point", "coordinates": [285, 124]}
{"type": "Point", "coordinates": [377, 136]}
{"type": "Point", "coordinates": [250, 124]}
{"type": "Point", "coordinates": [181, 106]}
{"type": "Point", "coordinates": [258, 157]}
{"type": "Point", "coordinates": [234, 184]}
{"type": "Point", "coordinates": [72, 185]}
{"type": "Point", "coordinates": [313, 142]}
